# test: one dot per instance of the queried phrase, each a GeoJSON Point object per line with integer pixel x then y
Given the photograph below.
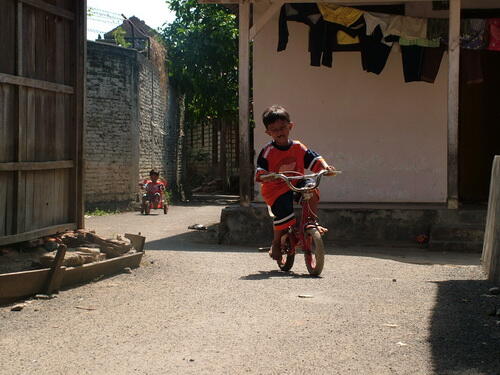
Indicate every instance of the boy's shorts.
{"type": "Point", "coordinates": [282, 208]}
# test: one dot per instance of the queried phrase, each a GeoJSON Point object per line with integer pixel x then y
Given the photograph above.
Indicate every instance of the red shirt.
{"type": "Point", "coordinates": [278, 159]}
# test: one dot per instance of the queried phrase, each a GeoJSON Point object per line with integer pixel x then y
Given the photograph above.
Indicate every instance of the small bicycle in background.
{"type": "Point", "coordinates": [154, 196]}
{"type": "Point", "coordinates": [304, 235]}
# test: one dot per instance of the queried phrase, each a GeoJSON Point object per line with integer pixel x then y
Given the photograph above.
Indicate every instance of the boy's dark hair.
{"type": "Point", "coordinates": [273, 114]}
{"type": "Point", "coordinates": [152, 172]}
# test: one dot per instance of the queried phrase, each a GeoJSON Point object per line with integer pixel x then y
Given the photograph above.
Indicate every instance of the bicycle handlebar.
{"type": "Point", "coordinates": [316, 177]}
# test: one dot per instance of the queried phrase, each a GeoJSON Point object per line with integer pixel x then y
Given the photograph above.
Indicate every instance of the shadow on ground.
{"type": "Point", "coordinates": [464, 336]}
{"type": "Point", "coordinates": [206, 240]}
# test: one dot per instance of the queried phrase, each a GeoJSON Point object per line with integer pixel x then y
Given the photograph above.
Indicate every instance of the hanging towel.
{"type": "Point", "coordinates": [374, 53]}
{"type": "Point", "coordinates": [412, 62]}
{"type": "Point", "coordinates": [493, 29]}
{"type": "Point", "coordinates": [408, 27]}
{"type": "Point", "coordinates": [431, 61]}
{"type": "Point", "coordinates": [472, 33]}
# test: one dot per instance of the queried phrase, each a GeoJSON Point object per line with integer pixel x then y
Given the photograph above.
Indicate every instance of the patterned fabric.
{"type": "Point", "coordinates": [472, 33]}
{"type": "Point", "coordinates": [438, 28]}
{"type": "Point", "coordinates": [434, 43]}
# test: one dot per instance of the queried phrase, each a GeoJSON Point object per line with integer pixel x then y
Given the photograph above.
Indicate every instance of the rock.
{"type": "Point", "coordinates": [18, 307]}
{"type": "Point", "coordinates": [197, 227]}
{"type": "Point", "coordinates": [494, 290]}
{"type": "Point", "coordinates": [394, 280]}
{"type": "Point", "coordinates": [127, 270]}
{"type": "Point", "coordinates": [305, 296]}
{"type": "Point", "coordinates": [42, 296]}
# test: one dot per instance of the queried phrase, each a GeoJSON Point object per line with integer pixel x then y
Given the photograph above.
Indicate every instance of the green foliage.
{"type": "Point", "coordinates": [202, 49]}
{"type": "Point", "coordinates": [100, 212]}
{"type": "Point", "coordinates": [119, 35]}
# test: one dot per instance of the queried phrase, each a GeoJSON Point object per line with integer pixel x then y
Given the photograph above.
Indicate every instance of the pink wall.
{"type": "Point", "coordinates": [389, 137]}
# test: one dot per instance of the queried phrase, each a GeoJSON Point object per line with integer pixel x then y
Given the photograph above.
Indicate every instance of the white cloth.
{"type": "Point", "coordinates": [408, 27]}
{"type": "Point", "coordinates": [373, 20]}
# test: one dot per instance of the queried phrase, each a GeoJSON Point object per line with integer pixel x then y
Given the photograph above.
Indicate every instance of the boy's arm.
{"type": "Point", "coordinates": [262, 167]}
{"type": "Point", "coordinates": [315, 162]}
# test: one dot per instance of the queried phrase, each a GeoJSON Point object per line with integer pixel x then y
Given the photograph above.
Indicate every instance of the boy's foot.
{"type": "Point", "coordinates": [275, 256]}
{"type": "Point", "coordinates": [322, 230]}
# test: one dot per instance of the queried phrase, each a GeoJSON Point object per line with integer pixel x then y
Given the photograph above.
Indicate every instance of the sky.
{"type": "Point", "coordinates": [107, 14]}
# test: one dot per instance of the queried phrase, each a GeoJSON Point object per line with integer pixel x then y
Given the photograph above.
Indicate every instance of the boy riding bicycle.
{"type": "Point", "coordinates": [279, 156]}
{"type": "Point", "coordinates": [153, 187]}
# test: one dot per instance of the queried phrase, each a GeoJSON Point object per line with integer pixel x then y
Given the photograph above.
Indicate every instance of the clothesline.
{"type": "Point", "coordinates": [422, 40]}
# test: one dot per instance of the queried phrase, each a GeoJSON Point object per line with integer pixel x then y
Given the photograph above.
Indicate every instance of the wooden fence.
{"type": "Point", "coordinates": [42, 81]}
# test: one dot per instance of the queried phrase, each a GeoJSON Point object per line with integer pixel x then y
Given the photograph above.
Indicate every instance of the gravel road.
{"type": "Point", "coordinates": [196, 307]}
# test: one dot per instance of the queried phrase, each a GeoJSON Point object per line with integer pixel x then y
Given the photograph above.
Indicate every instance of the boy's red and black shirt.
{"type": "Point", "coordinates": [294, 157]}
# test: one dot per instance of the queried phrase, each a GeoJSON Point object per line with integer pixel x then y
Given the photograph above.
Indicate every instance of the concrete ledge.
{"type": "Point", "coordinates": [367, 226]}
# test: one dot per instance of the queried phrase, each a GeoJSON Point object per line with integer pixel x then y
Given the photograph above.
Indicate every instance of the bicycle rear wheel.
{"type": "Point", "coordinates": [287, 255]}
{"type": "Point", "coordinates": [315, 257]}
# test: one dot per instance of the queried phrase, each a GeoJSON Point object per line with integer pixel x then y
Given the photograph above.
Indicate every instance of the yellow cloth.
{"type": "Point", "coordinates": [343, 15]}
{"type": "Point", "coordinates": [344, 38]}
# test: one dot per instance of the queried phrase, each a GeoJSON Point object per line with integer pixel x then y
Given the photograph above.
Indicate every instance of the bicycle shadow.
{"type": "Point", "coordinates": [263, 275]}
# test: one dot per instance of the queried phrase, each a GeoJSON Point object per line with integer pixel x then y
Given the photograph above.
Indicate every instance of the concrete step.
{"type": "Point", "coordinates": [465, 216]}
{"type": "Point", "coordinates": [464, 232]}
{"type": "Point", "coordinates": [458, 246]}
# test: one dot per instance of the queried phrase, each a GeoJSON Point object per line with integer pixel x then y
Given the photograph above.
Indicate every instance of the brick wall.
{"type": "Point", "coordinates": [127, 130]}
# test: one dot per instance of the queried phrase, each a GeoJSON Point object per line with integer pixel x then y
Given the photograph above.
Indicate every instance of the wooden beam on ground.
{"type": "Point", "coordinates": [490, 259]}
{"type": "Point", "coordinates": [264, 19]}
{"type": "Point", "coordinates": [36, 165]}
{"type": "Point", "coordinates": [35, 83]}
{"type": "Point", "coordinates": [47, 231]}
{"type": "Point", "coordinates": [246, 171]}
{"type": "Point", "coordinates": [453, 102]}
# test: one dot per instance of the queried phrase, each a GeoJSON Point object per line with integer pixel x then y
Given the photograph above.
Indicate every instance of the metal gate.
{"type": "Point", "coordinates": [42, 81]}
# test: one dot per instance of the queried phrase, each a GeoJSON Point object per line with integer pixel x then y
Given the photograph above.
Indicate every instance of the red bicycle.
{"type": "Point", "coordinates": [305, 234]}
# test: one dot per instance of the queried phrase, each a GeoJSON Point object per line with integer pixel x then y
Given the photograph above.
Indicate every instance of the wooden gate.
{"type": "Point", "coordinates": [42, 81]}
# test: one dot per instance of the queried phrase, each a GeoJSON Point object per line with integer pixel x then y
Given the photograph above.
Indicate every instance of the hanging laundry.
{"type": "Point", "coordinates": [374, 53]}
{"type": "Point", "coordinates": [431, 61]}
{"type": "Point", "coordinates": [374, 20]}
{"type": "Point", "coordinates": [493, 29]}
{"type": "Point", "coordinates": [344, 16]}
{"type": "Point", "coordinates": [408, 27]}
{"type": "Point", "coordinates": [307, 13]}
{"type": "Point", "coordinates": [412, 62]}
{"type": "Point", "coordinates": [471, 67]}
{"type": "Point", "coordinates": [331, 42]}
{"type": "Point", "coordinates": [438, 28]}
{"type": "Point", "coordinates": [433, 43]}
{"type": "Point", "coordinates": [472, 33]}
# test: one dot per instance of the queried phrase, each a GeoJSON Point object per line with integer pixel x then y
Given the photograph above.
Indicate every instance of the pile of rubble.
{"type": "Point", "coordinates": [82, 247]}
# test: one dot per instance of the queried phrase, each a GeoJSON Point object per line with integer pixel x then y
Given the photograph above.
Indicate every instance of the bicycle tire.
{"type": "Point", "coordinates": [287, 259]}
{"type": "Point", "coordinates": [147, 208]}
{"type": "Point", "coordinates": [315, 259]}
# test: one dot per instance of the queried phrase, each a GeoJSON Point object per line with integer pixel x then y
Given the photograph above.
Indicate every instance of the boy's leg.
{"type": "Point", "coordinates": [284, 217]}
{"type": "Point", "coordinates": [313, 204]}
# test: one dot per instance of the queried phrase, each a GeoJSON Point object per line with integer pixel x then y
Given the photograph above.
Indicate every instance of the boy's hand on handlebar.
{"type": "Point", "coordinates": [330, 171]}
{"type": "Point", "coordinates": [268, 177]}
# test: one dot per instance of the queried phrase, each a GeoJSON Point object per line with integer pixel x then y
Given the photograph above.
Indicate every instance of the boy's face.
{"type": "Point", "coordinates": [279, 131]}
{"type": "Point", "coordinates": [153, 177]}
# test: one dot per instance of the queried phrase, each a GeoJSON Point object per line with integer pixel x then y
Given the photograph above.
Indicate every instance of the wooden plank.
{"type": "Point", "coordinates": [41, 232]}
{"type": "Point", "coordinates": [80, 56]}
{"type": "Point", "coordinates": [88, 272]}
{"type": "Point", "coordinates": [22, 284]}
{"type": "Point", "coordinates": [36, 165]}
{"type": "Point", "coordinates": [453, 102]}
{"type": "Point", "coordinates": [264, 19]}
{"type": "Point", "coordinates": [137, 241]}
{"type": "Point", "coordinates": [490, 258]}
{"type": "Point", "coordinates": [48, 8]}
{"type": "Point", "coordinates": [36, 84]}
{"type": "Point", "coordinates": [8, 123]}
{"type": "Point", "coordinates": [246, 172]}
{"type": "Point", "coordinates": [55, 276]}
{"type": "Point", "coordinates": [19, 37]}
{"type": "Point", "coordinates": [8, 37]}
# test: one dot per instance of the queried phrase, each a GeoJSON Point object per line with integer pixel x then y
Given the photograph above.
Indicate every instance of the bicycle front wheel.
{"type": "Point", "coordinates": [315, 257]}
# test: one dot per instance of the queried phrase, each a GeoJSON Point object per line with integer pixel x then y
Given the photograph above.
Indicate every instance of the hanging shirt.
{"type": "Point", "coordinates": [493, 28]}
{"type": "Point", "coordinates": [307, 13]}
{"type": "Point", "coordinates": [344, 16]}
{"type": "Point", "coordinates": [294, 157]}
{"type": "Point", "coordinates": [472, 33]}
